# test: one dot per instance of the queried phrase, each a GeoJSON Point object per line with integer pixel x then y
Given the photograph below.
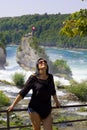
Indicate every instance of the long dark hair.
{"type": "Point", "coordinates": [37, 69]}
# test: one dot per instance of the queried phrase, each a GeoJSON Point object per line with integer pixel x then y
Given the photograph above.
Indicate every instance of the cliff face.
{"type": "Point", "coordinates": [2, 58]}
{"type": "Point", "coordinates": [26, 56]}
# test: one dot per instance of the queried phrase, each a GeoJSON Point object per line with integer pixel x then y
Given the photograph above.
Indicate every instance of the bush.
{"type": "Point", "coordinates": [19, 79]}
{"type": "Point", "coordinates": [62, 65]}
{"type": "Point", "coordinates": [80, 90]}
{"type": "Point", "coordinates": [4, 100]}
{"type": "Point", "coordinates": [62, 69]}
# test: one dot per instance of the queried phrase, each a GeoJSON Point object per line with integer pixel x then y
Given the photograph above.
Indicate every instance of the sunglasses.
{"type": "Point", "coordinates": [42, 61]}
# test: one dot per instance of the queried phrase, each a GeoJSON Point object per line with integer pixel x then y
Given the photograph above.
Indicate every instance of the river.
{"type": "Point", "coordinates": [76, 59]}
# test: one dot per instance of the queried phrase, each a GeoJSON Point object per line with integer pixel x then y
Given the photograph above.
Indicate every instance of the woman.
{"type": "Point", "coordinates": [39, 107]}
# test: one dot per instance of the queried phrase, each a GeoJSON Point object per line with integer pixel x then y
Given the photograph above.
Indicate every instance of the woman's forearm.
{"type": "Point", "coordinates": [17, 99]}
{"type": "Point", "coordinates": [56, 100]}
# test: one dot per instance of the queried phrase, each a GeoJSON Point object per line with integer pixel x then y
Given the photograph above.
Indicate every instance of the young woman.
{"type": "Point", "coordinates": [39, 107]}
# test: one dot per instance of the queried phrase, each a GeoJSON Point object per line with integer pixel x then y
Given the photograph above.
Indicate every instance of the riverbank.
{"type": "Point", "coordinates": [57, 114]}
{"type": "Point", "coordinates": [66, 48]}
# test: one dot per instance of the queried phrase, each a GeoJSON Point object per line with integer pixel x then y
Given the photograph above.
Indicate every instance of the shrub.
{"type": "Point", "coordinates": [61, 64]}
{"type": "Point", "coordinates": [18, 79]}
{"type": "Point", "coordinates": [57, 83]}
{"type": "Point", "coordinates": [4, 100]}
{"type": "Point", "coordinates": [82, 109]}
{"type": "Point", "coordinates": [62, 69]}
{"type": "Point", "coordinates": [80, 90]}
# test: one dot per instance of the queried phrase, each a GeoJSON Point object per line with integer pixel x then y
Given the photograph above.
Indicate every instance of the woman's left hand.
{"type": "Point", "coordinates": [58, 105]}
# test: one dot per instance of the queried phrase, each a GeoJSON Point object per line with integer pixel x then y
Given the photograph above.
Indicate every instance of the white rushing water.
{"type": "Point", "coordinates": [76, 59]}
{"type": "Point", "coordinates": [14, 67]}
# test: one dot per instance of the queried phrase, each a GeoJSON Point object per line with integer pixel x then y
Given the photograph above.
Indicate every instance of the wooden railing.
{"type": "Point", "coordinates": [8, 127]}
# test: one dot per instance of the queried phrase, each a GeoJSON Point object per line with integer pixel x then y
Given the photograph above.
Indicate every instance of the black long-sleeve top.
{"type": "Point", "coordinates": [41, 95]}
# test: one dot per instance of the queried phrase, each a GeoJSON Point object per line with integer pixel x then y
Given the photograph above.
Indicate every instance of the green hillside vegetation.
{"type": "Point", "coordinates": [4, 100]}
{"type": "Point", "coordinates": [79, 89]}
{"type": "Point", "coordinates": [12, 29]}
{"type": "Point", "coordinates": [62, 68]}
{"type": "Point", "coordinates": [76, 24]}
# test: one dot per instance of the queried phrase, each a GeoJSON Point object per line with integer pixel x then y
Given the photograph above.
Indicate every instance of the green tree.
{"type": "Point", "coordinates": [62, 69]}
{"type": "Point", "coordinates": [76, 24]}
{"type": "Point", "coordinates": [12, 29]}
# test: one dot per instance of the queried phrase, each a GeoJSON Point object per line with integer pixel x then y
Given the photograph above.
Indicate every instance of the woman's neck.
{"type": "Point", "coordinates": [43, 75]}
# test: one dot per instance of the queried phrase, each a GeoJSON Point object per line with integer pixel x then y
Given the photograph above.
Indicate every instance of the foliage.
{"type": "Point", "coordinates": [82, 109]}
{"type": "Point", "coordinates": [35, 46]}
{"type": "Point", "coordinates": [6, 82]}
{"type": "Point", "coordinates": [12, 29]}
{"type": "Point", "coordinates": [57, 83]}
{"type": "Point", "coordinates": [76, 24]}
{"type": "Point", "coordinates": [61, 63]}
{"type": "Point", "coordinates": [29, 128]}
{"type": "Point", "coordinates": [55, 128]}
{"type": "Point", "coordinates": [4, 100]}
{"type": "Point", "coordinates": [79, 89]}
{"type": "Point", "coordinates": [2, 123]}
{"type": "Point", "coordinates": [62, 67]}
{"type": "Point", "coordinates": [3, 47]}
{"type": "Point", "coordinates": [18, 79]}
{"type": "Point", "coordinates": [15, 120]}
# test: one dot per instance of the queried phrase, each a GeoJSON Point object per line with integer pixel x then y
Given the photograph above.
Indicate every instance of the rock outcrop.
{"type": "Point", "coordinates": [26, 56]}
{"type": "Point", "coordinates": [70, 96]}
{"type": "Point", "coordinates": [2, 58]}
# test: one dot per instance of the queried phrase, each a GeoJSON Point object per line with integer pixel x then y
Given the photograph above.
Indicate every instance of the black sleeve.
{"type": "Point", "coordinates": [28, 85]}
{"type": "Point", "coordinates": [53, 91]}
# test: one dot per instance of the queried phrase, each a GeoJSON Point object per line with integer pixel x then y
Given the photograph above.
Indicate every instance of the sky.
{"type": "Point", "coordinates": [12, 8]}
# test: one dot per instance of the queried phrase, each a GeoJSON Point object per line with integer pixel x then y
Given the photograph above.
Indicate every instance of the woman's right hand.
{"type": "Point", "coordinates": [10, 108]}
{"type": "Point", "coordinates": [17, 99]}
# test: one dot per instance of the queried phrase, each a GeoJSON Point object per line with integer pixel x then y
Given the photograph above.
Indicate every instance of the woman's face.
{"type": "Point", "coordinates": [42, 64]}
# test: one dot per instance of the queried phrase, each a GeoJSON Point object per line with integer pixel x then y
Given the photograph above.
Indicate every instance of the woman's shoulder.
{"type": "Point", "coordinates": [50, 76]}
{"type": "Point", "coordinates": [33, 76]}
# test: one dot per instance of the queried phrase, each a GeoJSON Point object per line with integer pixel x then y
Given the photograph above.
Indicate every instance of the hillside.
{"type": "Point", "coordinates": [47, 28]}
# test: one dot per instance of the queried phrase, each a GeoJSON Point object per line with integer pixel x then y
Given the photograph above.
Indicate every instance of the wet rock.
{"type": "Point", "coordinates": [26, 56]}
{"type": "Point", "coordinates": [70, 96]}
{"type": "Point", "coordinates": [2, 58]}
